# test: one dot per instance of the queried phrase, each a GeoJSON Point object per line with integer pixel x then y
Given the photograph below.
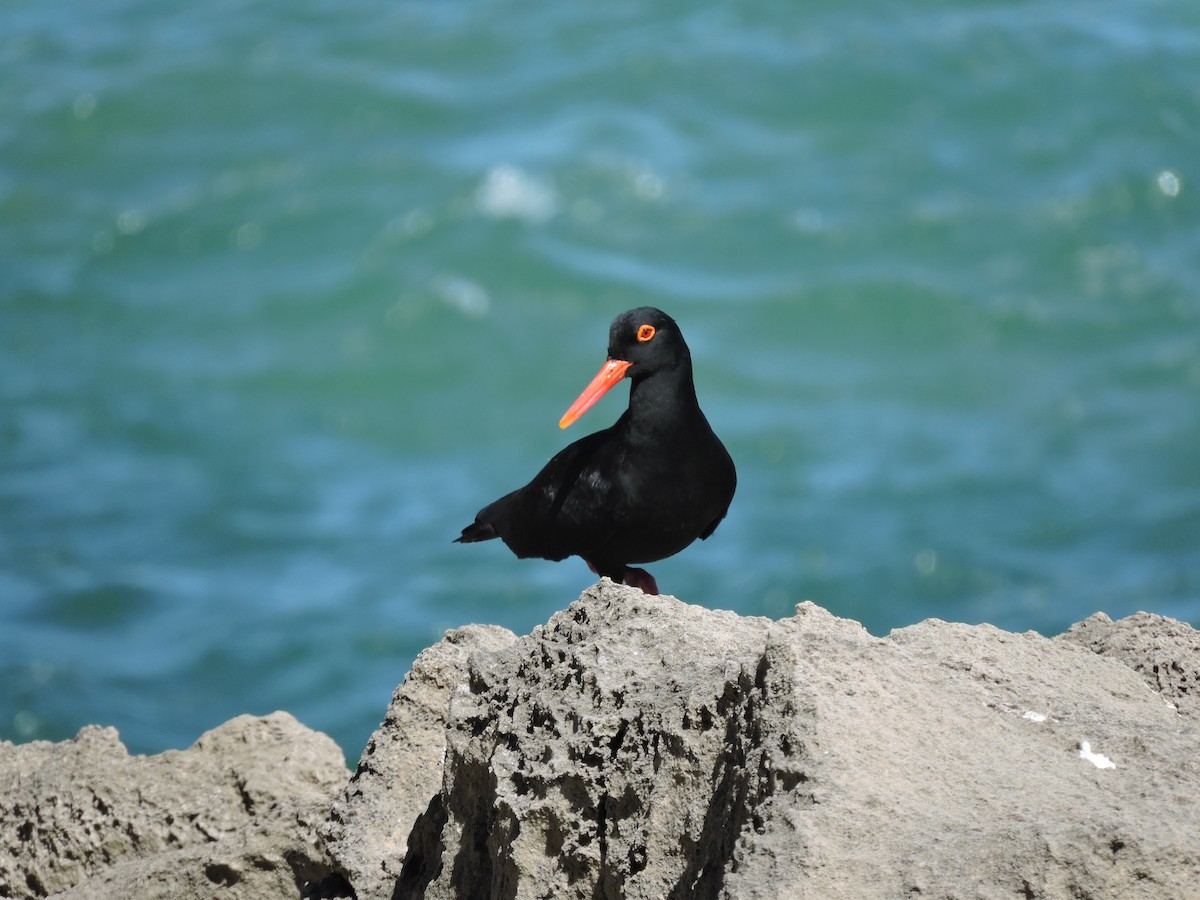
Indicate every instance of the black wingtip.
{"type": "Point", "coordinates": [476, 531]}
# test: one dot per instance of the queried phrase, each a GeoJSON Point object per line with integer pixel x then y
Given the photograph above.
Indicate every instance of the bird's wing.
{"type": "Point", "coordinates": [712, 526]}
{"type": "Point", "coordinates": [731, 490]}
{"type": "Point", "coordinates": [572, 488]}
{"type": "Point", "coordinates": [560, 512]}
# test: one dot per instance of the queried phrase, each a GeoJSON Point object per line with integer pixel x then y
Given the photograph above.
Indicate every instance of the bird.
{"type": "Point", "coordinates": [640, 490]}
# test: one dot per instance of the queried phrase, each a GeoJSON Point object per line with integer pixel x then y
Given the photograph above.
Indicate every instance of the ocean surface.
{"type": "Point", "coordinates": [289, 291]}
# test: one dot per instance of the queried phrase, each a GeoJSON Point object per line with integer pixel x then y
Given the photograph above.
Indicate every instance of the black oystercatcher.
{"type": "Point", "coordinates": [637, 492]}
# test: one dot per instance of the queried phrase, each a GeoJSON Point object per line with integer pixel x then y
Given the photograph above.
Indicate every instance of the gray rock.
{"type": "Point", "coordinates": [637, 746]}
{"type": "Point", "coordinates": [400, 773]}
{"type": "Point", "coordinates": [1163, 651]}
{"type": "Point", "coordinates": [234, 814]}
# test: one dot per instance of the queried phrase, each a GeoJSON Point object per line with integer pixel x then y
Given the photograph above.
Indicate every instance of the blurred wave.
{"type": "Point", "coordinates": [287, 294]}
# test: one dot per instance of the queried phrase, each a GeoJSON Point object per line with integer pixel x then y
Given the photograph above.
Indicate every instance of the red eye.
{"type": "Point", "coordinates": [645, 332]}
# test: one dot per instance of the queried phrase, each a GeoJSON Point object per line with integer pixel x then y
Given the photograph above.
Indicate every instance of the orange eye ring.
{"type": "Point", "coordinates": [645, 333]}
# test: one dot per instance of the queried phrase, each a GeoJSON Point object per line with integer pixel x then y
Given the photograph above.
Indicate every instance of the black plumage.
{"type": "Point", "coordinates": [639, 491]}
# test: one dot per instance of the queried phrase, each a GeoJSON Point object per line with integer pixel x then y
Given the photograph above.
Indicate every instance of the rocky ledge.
{"type": "Point", "coordinates": [637, 746]}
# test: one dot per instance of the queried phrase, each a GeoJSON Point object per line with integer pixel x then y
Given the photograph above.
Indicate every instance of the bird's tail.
{"type": "Point", "coordinates": [476, 531]}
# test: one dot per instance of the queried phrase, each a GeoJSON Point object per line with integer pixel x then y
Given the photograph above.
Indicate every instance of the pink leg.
{"type": "Point", "coordinates": [641, 579]}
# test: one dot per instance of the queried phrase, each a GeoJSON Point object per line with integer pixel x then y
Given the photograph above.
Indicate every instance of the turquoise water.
{"type": "Point", "coordinates": [289, 291]}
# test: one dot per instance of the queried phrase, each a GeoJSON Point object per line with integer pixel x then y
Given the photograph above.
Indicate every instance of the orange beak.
{"type": "Point", "coordinates": [612, 372]}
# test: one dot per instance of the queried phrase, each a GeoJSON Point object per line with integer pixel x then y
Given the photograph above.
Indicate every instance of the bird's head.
{"type": "Point", "coordinates": [641, 342]}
